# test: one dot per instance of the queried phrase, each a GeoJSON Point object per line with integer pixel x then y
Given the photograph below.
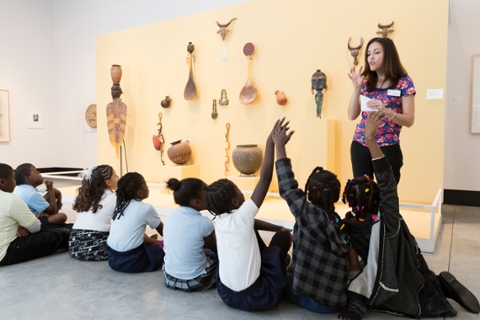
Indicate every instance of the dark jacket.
{"type": "Point", "coordinates": [396, 278]}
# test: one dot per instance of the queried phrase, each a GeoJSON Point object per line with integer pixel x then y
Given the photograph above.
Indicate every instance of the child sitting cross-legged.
{"type": "Point", "coordinates": [20, 236]}
{"type": "Point", "coordinates": [45, 208]}
{"type": "Point", "coordinates": [130, 249]}
{"type": "Point", "coordinates": [251, 275]}
{"type": "Point", "coordinates": [396, 278]}
{"type": "Point", "coordinates": [320, 251]}
{"type": "Point", "coordinates": [189, 239]}
{"type": "Point", "coordinates": [95, 204]}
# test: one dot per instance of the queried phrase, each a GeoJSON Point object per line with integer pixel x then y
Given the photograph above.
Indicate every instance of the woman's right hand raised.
{"type": "Point", "coordinates": [356, 77]}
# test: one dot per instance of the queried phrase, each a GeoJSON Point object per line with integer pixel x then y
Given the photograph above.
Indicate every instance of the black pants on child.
{"type": "Point", "coordinates": [36, 245]}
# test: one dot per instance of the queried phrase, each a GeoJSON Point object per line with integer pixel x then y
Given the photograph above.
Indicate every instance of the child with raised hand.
{"type": "Point", "coordinates": [319, 262]}
{"type": "Point", "coordinates": [189, 239]}
{"type": "Point", "coordinates": [396, 278]}
{"type": "Point", "coordinates": [45, 208]}
{"type": "Point", "coordinates": [20, 236]}
{"type": "Point", "coordinates": [95, 204]}
{"type": "Point", "coordinates": [251, 275]}
{"type": "Point", "coordinates": [130, 249]}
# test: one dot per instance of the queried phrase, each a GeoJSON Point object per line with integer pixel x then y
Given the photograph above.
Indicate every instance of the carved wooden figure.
{"type": "Point", "coordinates": [116, 112]}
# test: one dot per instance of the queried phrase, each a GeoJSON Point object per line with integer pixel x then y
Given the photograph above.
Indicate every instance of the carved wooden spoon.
{"type": "Point", "coordinates": [190, 89]}
{"type": "Point", "coordinates": [249, 93]}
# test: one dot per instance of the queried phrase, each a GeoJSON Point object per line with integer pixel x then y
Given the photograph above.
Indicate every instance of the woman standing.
{"type": "Point", "coordinates": [391, 91]}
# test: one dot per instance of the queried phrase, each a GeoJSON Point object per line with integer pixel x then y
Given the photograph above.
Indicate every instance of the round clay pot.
{"type": "Point", "coordinates": [116, 73]}
{"type": "Point", "coordinates": [247, 158]}
{"type": "Point", "coordinates": [180, 152]}
{"type": "Point", "coordinates": [281, 98]}
{"type": "Point", "coordinates": [166, 102]}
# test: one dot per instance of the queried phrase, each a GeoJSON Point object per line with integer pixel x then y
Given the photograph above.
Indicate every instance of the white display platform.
{"type": "Point", "coordinates": [424, 221]}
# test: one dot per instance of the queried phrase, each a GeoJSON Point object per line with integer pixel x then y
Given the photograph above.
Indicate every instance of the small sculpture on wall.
{"type": "Point", "coordinates": [190, 89]}
{"type": "Point", "coordinates": [319, 83]}
{"type": "Point", "coordinates": [116, 111]}
{"type": "Point", "coordinates": [223, 28]}
{"type": "Point", "coordinates": [166, 102]}
{"type": "Point", "coordinates": [159, 140]}
{"type": "Point", "coordinates": [223, 98]}
{"type": "Point", "coordinates": [281, 98]}
{"type": "Point", "coordinates": [214, 109]}
{"type": "Point", "coordinates": [354, 51]}
{"type": "Point", "coordinates": [384, 29]}
{"type": "Point", "coordinates": [227, 149]}
{"type": "Point", "coordinates": [249, 93]}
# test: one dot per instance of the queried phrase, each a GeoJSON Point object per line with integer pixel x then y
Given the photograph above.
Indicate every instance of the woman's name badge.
{"type": "Point", "coordinates": [393, 92]}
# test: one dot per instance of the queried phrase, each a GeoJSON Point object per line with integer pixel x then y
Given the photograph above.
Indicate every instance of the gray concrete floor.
{"type": "Point", "coordinates": [60, 287]}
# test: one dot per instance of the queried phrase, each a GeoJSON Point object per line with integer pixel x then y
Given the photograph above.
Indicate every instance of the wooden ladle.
{"type": "Point", "coordinates": [249, 92]}
{"type": "Point", "coordinates": [190, 89]}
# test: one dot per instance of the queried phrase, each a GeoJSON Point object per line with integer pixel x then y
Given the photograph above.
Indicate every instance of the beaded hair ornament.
{"type": "Point", "coordinates": [357, 209]}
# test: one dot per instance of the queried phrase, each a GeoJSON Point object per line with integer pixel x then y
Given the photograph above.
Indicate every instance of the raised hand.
{"type": "Point", "coordinates": [281, 134]}
{"type": "Point", "coordinates": [373, 122]}
{"type": "Point", "coordinates": [356, 77]}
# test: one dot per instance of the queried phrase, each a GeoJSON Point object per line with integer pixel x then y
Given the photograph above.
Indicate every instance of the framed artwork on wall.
{"type": "Point", "coordinates": [35, 118]}
{"type": "Point", "coordinates": [4, 116]}
{"type": "Point", "coordinates": [475, 110]}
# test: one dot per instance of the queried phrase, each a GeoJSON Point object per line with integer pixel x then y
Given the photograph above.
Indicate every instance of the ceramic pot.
{"type": "Point", "coordinates": [166, 102]}
{"type": "Point", "coordinates": [116, 73]}
{"type": "Point", "coordinates": [180, 152]}
{"type": "Point", "coordinates": [247, 158]}
{"type": "Point", "coordinates": [281, 98]}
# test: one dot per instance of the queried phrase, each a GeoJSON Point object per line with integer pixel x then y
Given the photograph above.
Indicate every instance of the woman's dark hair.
{"type": "Point", "coordinates": [91, 191]}
{"type": "Point", "coordinates": [21, 172]}
{"type": "Point", "coordinates": [363, 196]}
{"type": "Point", "coordinates": [218, 198]}
{"type": "Point", "coordinates": [5, 171]}
{"type": "Point", "coordinates": [391, 66]}
{"type": "Point", "coordinates": [323, 189]}
{"type": "Point", "coordinates": [127, 189]}
{"type": "Point", "coordinates": [185, 190]}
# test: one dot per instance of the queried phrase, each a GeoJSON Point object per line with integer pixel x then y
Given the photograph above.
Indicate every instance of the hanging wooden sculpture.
{"type": "Point", "coordinates": [223, 98]}
{"type": "Point", "coordinates": [190, 89]}
{"type": "Point", "coordinates": [214, 109]}
{"type": "Point", "coordinates": [354, 51]}
{"type": "Point", "coordinates": [116, 111]}
{"type": "Point", "coordinates": [223, 28]}
{"type": "Point", "coordinates": [227, 149]}
{"type": "Point", "coordinates": [159, 140]}
{"type": "Point", "coordinates": [384, 29]}
{"type": "Point", "coordinates": [249, 92]}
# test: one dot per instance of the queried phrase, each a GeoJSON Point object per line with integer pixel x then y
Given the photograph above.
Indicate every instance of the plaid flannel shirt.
{"type": "Point", "coordinates": [319, 248]}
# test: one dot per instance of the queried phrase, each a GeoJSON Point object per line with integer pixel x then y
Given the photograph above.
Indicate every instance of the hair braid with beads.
{"type": "Point", "coordinates": [219, 196]}
{"type": "Point", "coordinates": [91, 192]}
{"type": "Point", "coordinates": [363, 196]}
{"type": "Point", "coordinates": [323, 189]}
{"type": "Point", "coordinates": [128, 187]}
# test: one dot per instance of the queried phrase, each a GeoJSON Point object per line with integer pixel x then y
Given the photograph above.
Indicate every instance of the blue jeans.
{"type": "Point", "coordinates": [304, 301]}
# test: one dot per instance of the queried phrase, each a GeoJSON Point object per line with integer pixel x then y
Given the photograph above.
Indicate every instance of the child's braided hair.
{"type": "Point", "coordinates": [127, 189]}
{"type": "Point", "coordinates": [219, 196]}
{"type": "Point", "coordinates": [363, 196]}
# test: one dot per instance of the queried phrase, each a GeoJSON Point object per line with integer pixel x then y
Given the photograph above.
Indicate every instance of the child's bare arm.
{"type": "Point", "coordinates": [280, 137]}
{"type": "Point", "coordinates": [266, 172]}
{"type": "Point", "coordinates": [267, 226]}
{"type": "Point", "coordinates": [160, 228]}
{"type": "Point", "coordinates": [51, 198]}
{"type": "Point", "coordinates": [210, 242]}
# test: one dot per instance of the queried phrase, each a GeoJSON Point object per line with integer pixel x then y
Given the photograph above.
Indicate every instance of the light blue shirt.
{"type": "Point", "coordinates": [183, 234]}
{"type": "Point", "coordinates": [34, 200]}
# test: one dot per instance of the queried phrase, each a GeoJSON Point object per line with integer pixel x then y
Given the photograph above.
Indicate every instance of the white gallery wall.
{"type": "Point", "coordinates": [26, 71]}
{"type": "Point", "coordinates": [47, 61]}
{"type": "Point", "coordinates": [462, 149]}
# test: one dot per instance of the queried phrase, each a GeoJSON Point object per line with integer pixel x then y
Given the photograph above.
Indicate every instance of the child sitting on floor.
{"type": "Point", "coordinates": [189, 239]}
{"type": "Point", "coordinates": [45, 208]}
{"type": "Point", "coordinates": [396, 278]}
{"type": "Point", "coordinates": [95, 204]}
{"type": "Point", "coordinates": [319, 261]}
{"type": "Point", "coordinates": [251, 275]}
{"type": "Point", "coordinates": [130, 249]}
{"type": "Point", "coordinates": [20, 236]}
